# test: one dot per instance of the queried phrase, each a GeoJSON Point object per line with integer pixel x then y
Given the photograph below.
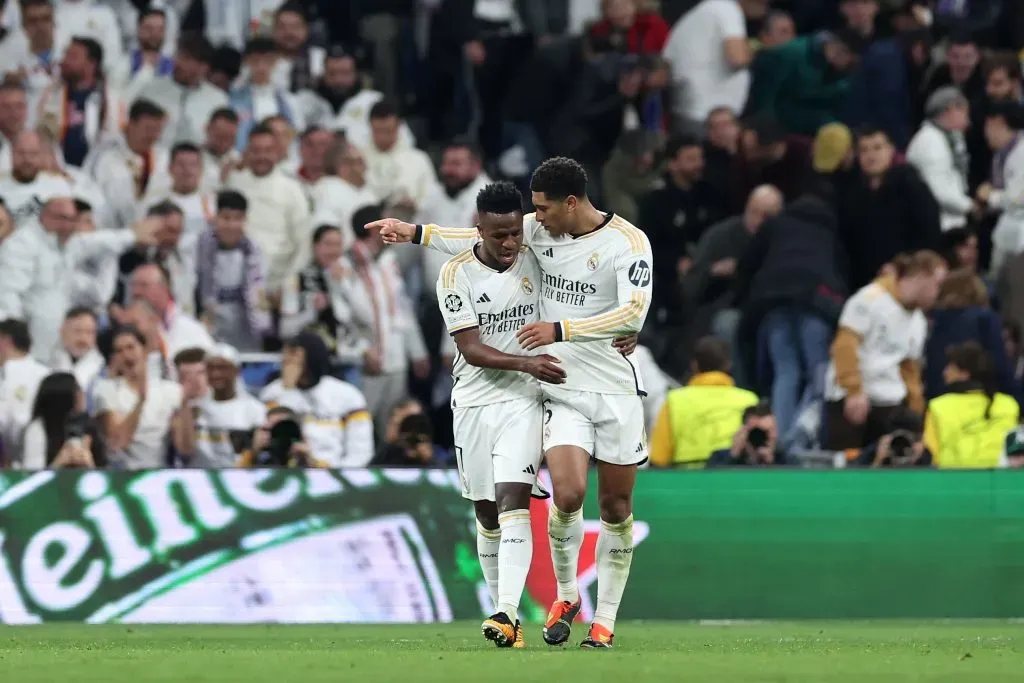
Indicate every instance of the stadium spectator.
{"type": "Point", "coordinates": [961, 68]}
{"type": "Point", "coordinates": [60, 434]}
{"type": "Point", "coordinates": [630, 173]}
{"type": "Point", "coordinates": [876, 356]}
{"type": "Point", "coordinates": [710, 55]}
{"type": "Point", "coordinates": [790, 278]}
{"type": "Point", "coordinates": [259, 98]}
{"type": "Point", "coordinates": [185, 190]}
{"type": "Point", "coordinates": [1003, 85]}
{"type": "Point", "coordinates": [173, 251]}
{"type": "Point", "coordinates": [28, 58]}
{"type": "Point", "coordinates": [29, 185]}
{"type": "Point", "coordinates": [1005, 193]}
{"type": "Point", "coordinates": [395, 172]}
{"type": "Point", "coordinates": [885, 210]}
{"type": "Point", "coordinates": [755, 444]}
{"type": "Point", "coordinates": [219, 154]}
{"type": "Point", "coordinates": [804, 84]}
{"type": "Point", "coordinates": [13, 118]}
{"type": "Point", "coordinates": [228, 417]}
{"type": "Point", "coordinates": [333, 414]}
{"type": "Point", "coordinates": [901, 447]}
{"type": "Point", "coordinates": [939, 153]}
{"type": "Point", "coordinates": [966, 427]}
{"type": "Point", "coordinates": [299, 63]}
{"type": "Point", "coordinates": [177, 330]}
{"type": "Point", "coordinates": [412, 446]}
{"type": "Point", "coordinates": [767, 156]}
{"type": "Point", "coordinates": [1014, 351]}
{"type": "Point", "coordinates": [960, 249]}
{"type": "Point", "coordinates": [962, 315]}
{"type": "Point", "coordinates": [624, 27]}
{"type": "Point", "coordinates": [20, 375]}
{"type": "Point", "coordinates": [279, 442]}
{"type": "Point", "coordinates": [776, 29]}
{"type": "Point", "coordinates": [702, 417]}
{"type": "Point", "coordinates": [343, 189]}
{"type": "Point", "coordinates": [722, 132]}
{"type": "Point", "coordinates": [78, 353]}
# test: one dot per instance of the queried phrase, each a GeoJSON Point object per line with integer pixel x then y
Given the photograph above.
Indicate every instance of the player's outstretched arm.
{"type": "Point", "coordinates": [544, 367]}
{"type": "Point", "coordinates": [446, 240]}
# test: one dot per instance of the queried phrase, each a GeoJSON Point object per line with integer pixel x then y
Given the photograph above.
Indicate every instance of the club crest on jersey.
{"type": "Point", "coordinates": [453, 302]}
{"type": "Point", "coordinates": [592, 262]}
{"type": "Point", "coordinates": [640, 274]}
{"type": "Point", "coordinates": [527, 285]}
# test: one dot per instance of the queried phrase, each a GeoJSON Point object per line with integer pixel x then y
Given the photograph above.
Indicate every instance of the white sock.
{"type": "Point", "coordinates": [565, 530]}
{"type": "Point", "coordinates": [487, 544]}
{"type": "Point", "coordinates": [614, 555]}
{"type": "Point", "coordinates": [514, 557]}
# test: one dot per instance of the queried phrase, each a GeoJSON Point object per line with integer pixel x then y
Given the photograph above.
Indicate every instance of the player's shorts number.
{"type": "Point", "coordinates": [640, 274]}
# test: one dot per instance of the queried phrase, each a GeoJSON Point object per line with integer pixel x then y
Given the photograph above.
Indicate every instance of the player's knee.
{"type": "Point", "coordinates": [486, 514]}
{"type": "Point", "coordinates": [569, 498]}
{"type": "Point", "coordinates": [512, 496]}
{"type": "Point", "coordinates": [615, 507]}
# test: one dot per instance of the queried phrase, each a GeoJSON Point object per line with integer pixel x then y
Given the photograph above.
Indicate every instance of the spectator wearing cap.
{"type": "Point", "coordinates": [832, 152]}
{"type": "Point", "coordinates": [767, 156]}
{"type": "Point", "coordinates": [259, 98]}
{"type": "Point", "coordinates": [886, 209]}
{"type": "Point", "coordinates": [939, 153]}
{"type": "Point", "coordinates": [227, 417]}
{"type": "Point", "coordinates": [1005, 193]}
{"type": "Point", "coordinates": [805, 83]}
{"type": "Point", "coordinates": [186, 96]}
{"type": "Point", "coordinates": [230, 274]}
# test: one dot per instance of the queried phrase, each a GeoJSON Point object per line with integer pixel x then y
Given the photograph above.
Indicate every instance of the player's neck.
{"type": "Point", "coordinates": [590, 219]}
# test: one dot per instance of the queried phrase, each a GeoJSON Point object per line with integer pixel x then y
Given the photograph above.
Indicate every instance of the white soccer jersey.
{"type": "Point", "coordinates": [470, 295]}
{"type": "Point", "coordinates": [595, 287]}
{"type": "Point", "coordinates": [25, 200]}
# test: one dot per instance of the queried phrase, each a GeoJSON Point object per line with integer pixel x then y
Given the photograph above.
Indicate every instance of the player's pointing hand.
{"type": "Point", "coordinates": [545, 368]}
{"type": "Point", "coordinates": [536, 335]}
{"type": "Point", "coordinates": [392, 230]}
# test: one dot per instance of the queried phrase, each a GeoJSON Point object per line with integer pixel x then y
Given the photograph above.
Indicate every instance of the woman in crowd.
{"type": "Point", "coordinates": [967, 426]}
{"type": "Point", "coordinates": [60, 434]}
{"type": "Point", "coordinates": [962, 314]}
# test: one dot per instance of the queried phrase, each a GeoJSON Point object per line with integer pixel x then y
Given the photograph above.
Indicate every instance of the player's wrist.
{"type": "Point", "coordinates": [418, 234]}
{"type": "Point", "coordinates": [559, 332]}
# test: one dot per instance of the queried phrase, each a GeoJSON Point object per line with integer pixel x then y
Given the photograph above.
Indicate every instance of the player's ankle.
{"type": "Point", "coordinates": [567, 594]}
{"type": "Point", "coordinates": [605, 621]}
{"type": "Point", "coordinates": [510, 611]}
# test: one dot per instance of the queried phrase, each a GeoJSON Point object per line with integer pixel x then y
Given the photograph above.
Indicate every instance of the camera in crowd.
{"type": "Point", "coordinates": [756, 443]}
{"type": "Point", "coordinates": [279, 443]}
{"type": "Point", "coordinates": [902, 446]}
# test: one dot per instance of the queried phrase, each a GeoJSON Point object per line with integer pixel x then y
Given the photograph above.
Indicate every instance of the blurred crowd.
{"type": "Point", "coordinates": [834, 191]}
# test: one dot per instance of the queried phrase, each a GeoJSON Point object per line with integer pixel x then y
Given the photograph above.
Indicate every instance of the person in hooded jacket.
{"type": "Point", "coordinates": [334, 417]}
{"type": "Point", "coordinates": [791, 278]}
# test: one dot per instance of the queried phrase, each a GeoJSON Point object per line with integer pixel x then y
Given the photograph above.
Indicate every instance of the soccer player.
{"type": "Point", "coordinates": [486, 294]}
{"type": "Point", "coordinates": [596, 275]}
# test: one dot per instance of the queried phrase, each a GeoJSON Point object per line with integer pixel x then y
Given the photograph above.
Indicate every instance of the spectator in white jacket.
{"type": "Point", "coordinates": [939, 153]}
{"type": "Point", "coordinates": [1005, 193]}
{"type": "Point", "coordinates": [38, 263]}
{"type": "Point", "coordinates": [343, 190]}
{"type": "Point", "coordinates": [400, 175]}
{"type": "Point", "coordinates": [20, 376]}
{"type": "Point", "coordinates": [278, 209]}
{"type": "Point", "coordinates": [28, 58]}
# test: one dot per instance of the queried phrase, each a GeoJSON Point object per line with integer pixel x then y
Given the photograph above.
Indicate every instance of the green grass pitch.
{"type": "Point", "coordinates": [948, 652]}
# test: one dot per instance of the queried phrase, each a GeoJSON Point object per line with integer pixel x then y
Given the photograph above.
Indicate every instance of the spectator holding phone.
{"type": "Point", "coordinates": [60, 434]}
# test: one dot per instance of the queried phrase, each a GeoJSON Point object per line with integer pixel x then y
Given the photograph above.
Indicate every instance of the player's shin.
{"type": "Point", "coordinates": [614, 556]}
{"type": "Point", "coordinates": [516, 551]}
{"type": "Point", "coordinates": [488, 542]}
{"type": "Point", "coordinates": [565, 533]}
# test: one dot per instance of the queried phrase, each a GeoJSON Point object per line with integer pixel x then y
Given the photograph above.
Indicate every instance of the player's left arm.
{"type": "Point", "coordinates": [634, 282]}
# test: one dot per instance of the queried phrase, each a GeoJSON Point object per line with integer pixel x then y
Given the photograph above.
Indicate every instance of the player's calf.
{"type": "Point", "coordinates": [488, 543]}
{"type": "Point", "coordinates": [614, 552]}
{"type": "Point", "coordinates": [516, 550]}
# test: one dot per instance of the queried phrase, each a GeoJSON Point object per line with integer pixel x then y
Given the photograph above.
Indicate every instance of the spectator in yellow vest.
{"type": "Point", "coordinates": [966, 427]}
{"type": "Point", "coordinates": [702, 417]}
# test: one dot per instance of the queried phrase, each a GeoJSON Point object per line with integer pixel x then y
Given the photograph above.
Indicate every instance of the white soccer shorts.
{"type": "Point", "coordinates": [497, 443]}
{"type": "Point", "coordinates": [610, 427]}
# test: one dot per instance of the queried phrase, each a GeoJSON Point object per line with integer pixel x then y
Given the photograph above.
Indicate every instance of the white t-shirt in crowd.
{"type": "Point", "coordinates": [148, 448]}
{"type": "Point", "coordinates": [25, 200]}
{"type": "Point", "coordinates": [696, 52]}
{"type": "Point", "coordinates": [889, 335]}
{"type": "Point", "coordinates": [19, 383]}
{"type": "Point", "coordinates": [215, 423]}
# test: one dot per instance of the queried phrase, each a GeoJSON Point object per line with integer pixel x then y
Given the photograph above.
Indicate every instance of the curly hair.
{"type": "Point", "coordinates": [559, 178]}
{"type": "Point", "coordinates": [500, 197]}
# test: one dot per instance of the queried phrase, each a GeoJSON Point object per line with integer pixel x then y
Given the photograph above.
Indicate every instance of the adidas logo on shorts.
{"type": "Point", "coordinates": [484, 299]}
{"type": "Point", "coordinates": [529, 470]}
{"type": "Point", "coordinates": [639, 447]}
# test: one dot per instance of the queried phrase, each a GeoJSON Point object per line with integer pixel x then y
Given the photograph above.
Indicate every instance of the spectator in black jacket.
{"type": "Point", "coordinates": [723, 140]}
{"type": "Point", "coordinates": [886, 210]}
{"type": "Point", "coordinates": [675, 216]}
{"type": "Point", "coordinates": [790, 277]}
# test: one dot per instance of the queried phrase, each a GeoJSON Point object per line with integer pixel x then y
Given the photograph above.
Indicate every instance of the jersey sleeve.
{"type": "Point", "coordinates": [454, 298]}
{"type": "Point", "coordinates": [634, 283]}
{"type": "Point", "coordinates": [446, 240]}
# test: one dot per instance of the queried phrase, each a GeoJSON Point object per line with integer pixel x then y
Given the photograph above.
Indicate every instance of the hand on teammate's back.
{"type": "Point", "coordinates": [545, 368]}
{"type": "Point", "coordinates": [393, 231]}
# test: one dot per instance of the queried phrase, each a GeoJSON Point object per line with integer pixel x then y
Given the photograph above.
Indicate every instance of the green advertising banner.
{"type": "Point", "coordinates": [192, 546]}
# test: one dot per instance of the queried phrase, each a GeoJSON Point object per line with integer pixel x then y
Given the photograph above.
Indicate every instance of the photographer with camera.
{"type": "Point", "coordinates": [279, 443]}
{"type": "Point", "coordinates": [412, 445]}
{"type": "Point", "coordinates": [902, 446]}
{"type": "Point", "coordinates": [756, 444]}
{"type": "Point", "coordinates": [60, 435]}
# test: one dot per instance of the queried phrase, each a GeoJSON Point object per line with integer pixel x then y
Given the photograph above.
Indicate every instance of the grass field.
{"type": "Point", "coordinates": [953, 652]}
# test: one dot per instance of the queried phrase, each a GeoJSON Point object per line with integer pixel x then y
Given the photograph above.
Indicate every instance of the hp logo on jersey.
{"type": "Point", "coordinates": [640, 274]}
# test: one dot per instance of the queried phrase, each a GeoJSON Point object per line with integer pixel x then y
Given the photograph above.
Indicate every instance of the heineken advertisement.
{"type": "Point", "coordinates": [399, 546]}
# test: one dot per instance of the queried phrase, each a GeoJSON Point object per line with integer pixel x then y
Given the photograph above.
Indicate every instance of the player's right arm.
{"type": "Point", "coordinates": [456, 303]}
{"type": "Point", "coordinates": [446, 240]}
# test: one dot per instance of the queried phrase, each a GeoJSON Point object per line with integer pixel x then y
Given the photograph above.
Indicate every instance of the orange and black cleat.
{"type": "Point", "coordinates": [500, 629]}
{"type": "Point", "coordinates": [559, 623]}
{"type": "Point", "coordinates": [598, 636]}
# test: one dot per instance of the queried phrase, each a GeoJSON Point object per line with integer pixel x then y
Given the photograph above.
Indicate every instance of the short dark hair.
{"type": "Point", "coordinates": [225, 114]}
{"type": "Point", "coordinates": [260, 129]}
{"type": "Point", "coordinates": [384, 109]}
{"type": "Point", "coordinates": [763, 408]}
{"type": "Point", "coordinates": [312, 130]}
{"type": "Point", "coordinates": [17, 331]}
{"type": "Point", "coordinates": [164, 208]}
{"type": "Point", "coordinates": [467, 143]}
{"type": "Point", "coordinates": [93, 50]}
{"type": "Point", "coordinates": [712, 354]}
{"type": "Point", "coordinates": [260, 46]}
{"type": "Point", "coordinates": [500, 197]}
{"type": "Point", "coordinates": [196, 46]}
{"type": "Point", "coordinates": [152, 11]}
{"type": "Point", "coordinates": [416, 424]}
{"type": "Point", "coordinates": [184, 148]}
{"type": "Point", "coordinates": [82, 206]}
{"type": "Point", "coordinates": [766, 128]}
{"type": "Point", "coordinates": [1003, 61]}
{"type": "Point", "coordinates": [80, 312]}
{"type": "Point", "coordinates": [227, 60]}
{"type": "Point", "coordinates": [25, 4]}
{"type": "Point", "coordinates": [122, 330]}
{"type": "Point", "coordinates": [678, 143]}
{"type": "Point", "coordinates": [292, 7]}
{"type": "Point", "coordinates": [231, 200]}
{"type": "Point", "coordinates": [322, 230]}
{"type": "Point", "coordinates": [143, 108]}
{"type": "Point", "coordinates": [559, 178]}
{"type": "Point", "coordinates": [962, 36]}
{"type": "Point", "coordinates": [1010, 112]}
{"type": "Point", "coordinates": [189, 356]}
{"type": "Point", "coordinates": [364, 215]}
{"type": "Point", "coordinates": [871, 130]}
